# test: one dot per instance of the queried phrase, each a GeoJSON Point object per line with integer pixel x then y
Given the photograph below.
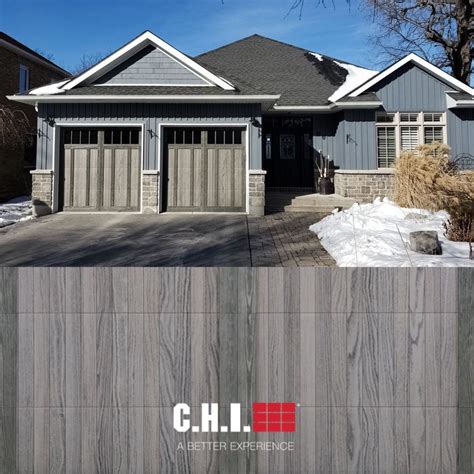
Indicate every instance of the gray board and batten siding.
{"type": "Point", "coordinates": [152, 116]}
{"type": "Point", "coordinates": [349, 137]}
{"type": "Point", "coordinates": [151, 66]}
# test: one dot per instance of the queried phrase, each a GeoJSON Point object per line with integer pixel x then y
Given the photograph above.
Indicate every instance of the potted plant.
{"type": "Point", "coordinates": [325, 182]}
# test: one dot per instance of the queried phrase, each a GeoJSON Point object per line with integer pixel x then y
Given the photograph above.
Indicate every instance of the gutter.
{"type": "Point", "coordinates": [35, 100]}
{"type": "Point", "coordinates": [329, 108]}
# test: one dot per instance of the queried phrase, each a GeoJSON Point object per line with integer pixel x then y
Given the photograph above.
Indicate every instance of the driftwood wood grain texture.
{"type": "Point", "coordinates": [370, 356]}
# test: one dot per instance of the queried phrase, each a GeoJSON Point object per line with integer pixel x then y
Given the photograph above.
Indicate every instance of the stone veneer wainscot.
{"type": "Point", "coordinates": [42, 192]}
{"type": "Point", "coordinates": [150, 192]}
{"type": "Point", "coordinates": [257, 192]}
{"type": "Point", "coordinates": [364, 185]}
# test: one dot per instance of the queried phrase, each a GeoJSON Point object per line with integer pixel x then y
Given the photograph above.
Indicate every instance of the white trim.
{"type": "Point", "coordinates": [423, 64]}
{"type": "Point", "coordinates": [56, 145]}
{"type": "Point", "coordinates": [96, 99]}
{"type": "Point", "coordinates": [377, 171]}
{"type": "Point", "coordinates": [329, 108]}
{"type": "Point", "coordinates": [420, 124]}
{"type": "Point", "coordinates": [32, 57]}
{"type": "Point", "coordinates": [204, 124]}
{"type": "Point", "coordinates": [154, 85]}
{"type": "Point", "coordinates": [134, 46]}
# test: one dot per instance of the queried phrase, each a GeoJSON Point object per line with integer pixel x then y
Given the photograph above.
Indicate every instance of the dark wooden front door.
{"type": "Point", "coordinates": [287, 152]}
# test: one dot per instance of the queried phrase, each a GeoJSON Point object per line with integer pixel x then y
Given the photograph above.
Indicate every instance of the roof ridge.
{"type": "Point", "coordinates": [226, 45]}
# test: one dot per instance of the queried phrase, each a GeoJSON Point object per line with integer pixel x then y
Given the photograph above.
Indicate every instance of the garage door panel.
{"type": "Point", "coordinates": [212, 173]}
{"type": "Point", "coordinates": [184, 178]}
{"type": "Point", "coordinates": [135, 166]}
{"type": "Point", "coordinates": [93, 177]}
{"type": "Point", "coordinates": [121, 177]}
{"type": "Point", "coordinates": [225, 178]}
{"type": "Point", "coordinates": [105, 173]}
{"type": "Point", "coordinates": [239, 186]}
{"type": "Point", "coordinates": [205, 169]}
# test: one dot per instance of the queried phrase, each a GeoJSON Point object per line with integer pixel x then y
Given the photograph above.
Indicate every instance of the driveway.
{"type": "Point", "coordinates": [164, 240]}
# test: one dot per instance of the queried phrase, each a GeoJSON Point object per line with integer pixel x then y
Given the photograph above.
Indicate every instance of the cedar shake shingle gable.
{"type": "Point", "coordinates": [274, 67]}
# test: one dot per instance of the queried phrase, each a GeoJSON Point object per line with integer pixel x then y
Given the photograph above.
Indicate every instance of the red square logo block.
{"type": "Point", "coordinates": [274, 427]}
{"type": "Point", "coordinates": [259, 408]}
{"type": "Point", "coordinates": [288, 427]}
{"type": "Point", "coordinates": [274, 407]}
{"type": "Point", "coordinates": [288, 417]}
{"type": "Point", "coordinates": [274, 417]}
{"type": "Point", "coordinates": [260, 417]}
{"type": "Point", "coordinates": [260, 427]}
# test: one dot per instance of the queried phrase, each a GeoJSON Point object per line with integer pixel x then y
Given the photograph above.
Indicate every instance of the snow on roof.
{"type": "Point", "coordinates": [356, 77]}
{"type": "Point", "coordinates": [318, 56]}
{"type": "Point", "coordinates": [50, 89]}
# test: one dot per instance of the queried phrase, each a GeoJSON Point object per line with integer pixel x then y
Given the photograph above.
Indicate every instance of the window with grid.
{"type": "Point", "coordinates": [405, 131]}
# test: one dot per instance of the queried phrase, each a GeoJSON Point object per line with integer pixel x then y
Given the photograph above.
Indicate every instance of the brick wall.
{"type": "Point", "coordinates": [150, 192]}
{"type": "Point", "coordinates": [42, 192]}
{"type": "Point", "coordinates": [364, 186]}
{"type": "Point", "coordinates": [13, 180]}
{"type": "Point", "coordinates": [257, 192]}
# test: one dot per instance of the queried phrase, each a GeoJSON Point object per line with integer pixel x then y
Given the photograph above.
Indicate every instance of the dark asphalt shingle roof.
{"type": "Point", "coordinates": [147, 90]}
{"type": "Point", "coordinates": [274, 67]}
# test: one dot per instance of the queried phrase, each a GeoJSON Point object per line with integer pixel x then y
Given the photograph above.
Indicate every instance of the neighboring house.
{"type": "Point", "coordinates": [149, 129]}
{"type": "Point", "coordinates": [22, 69]}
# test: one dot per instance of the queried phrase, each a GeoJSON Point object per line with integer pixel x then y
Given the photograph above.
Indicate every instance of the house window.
{"type": "Point", "coordinates": [24, 79]}
{"type": "Point", "coordinates": [404, 131]}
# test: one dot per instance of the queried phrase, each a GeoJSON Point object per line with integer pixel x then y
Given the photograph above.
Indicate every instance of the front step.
{"type": "Point", "coordinates": [317, 203]}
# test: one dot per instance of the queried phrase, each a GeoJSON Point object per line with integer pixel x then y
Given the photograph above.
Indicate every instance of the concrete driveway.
{"type": "Point", "coordinates": [164, 240]}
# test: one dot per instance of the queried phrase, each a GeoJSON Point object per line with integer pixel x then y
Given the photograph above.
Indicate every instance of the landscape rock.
{"type": "Point", "coordinates": [425, 241]}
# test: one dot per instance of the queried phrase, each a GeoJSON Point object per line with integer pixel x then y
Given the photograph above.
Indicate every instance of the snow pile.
{"type": "Point", "coordinates": [16, 210]}
{"type": "Point", "coordinates": [356, 77]}
{"type": "Point", "coordinates": [377, 235]}
{"type": "Point", "coordinates": [50, 89]}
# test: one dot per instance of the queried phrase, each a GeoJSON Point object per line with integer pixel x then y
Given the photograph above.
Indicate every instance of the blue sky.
{"type": "Point", "coordinates": [67, 29]}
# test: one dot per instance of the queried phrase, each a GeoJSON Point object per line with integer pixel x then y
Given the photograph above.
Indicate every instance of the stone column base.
{"type": "Point", "coordinates": [151, 192]}
{"type": "Point", "coordinates": [366, 185]}
{"type": "Point", "coordinates": [42, 192]}
{"type": "Point", "coordinates": [257, 192]}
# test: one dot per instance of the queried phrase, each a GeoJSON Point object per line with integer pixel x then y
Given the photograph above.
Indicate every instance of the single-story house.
{"type": "Point", "coordinates": [150, 129]}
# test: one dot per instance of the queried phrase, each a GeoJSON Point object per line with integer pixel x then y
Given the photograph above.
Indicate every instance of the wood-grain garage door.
{"type": "Point", "coordinates": [101, 170]}
{"type": "Point", "coordinates": [204, 169]}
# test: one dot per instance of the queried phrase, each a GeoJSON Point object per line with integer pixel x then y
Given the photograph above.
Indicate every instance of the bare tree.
{"type": "Point", "coordinates": [441, 31]}
{"type": "Point", "coordinates": [14, 126]}
{"type": "Point", "coordinates": [87, 61]}
{"type": "Point", "coordinates": [48, 56]}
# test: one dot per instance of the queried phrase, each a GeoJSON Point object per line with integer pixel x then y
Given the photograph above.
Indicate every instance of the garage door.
{"type": "Point", "coordinates": [204, 169]}
{"type": "Point", "coordinates": [101, 169]}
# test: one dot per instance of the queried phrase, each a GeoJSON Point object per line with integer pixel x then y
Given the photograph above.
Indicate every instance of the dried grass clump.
{"type": "Point", "coordinates": [427, 179]}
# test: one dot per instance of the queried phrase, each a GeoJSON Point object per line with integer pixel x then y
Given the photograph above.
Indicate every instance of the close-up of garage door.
{"type": "Point", "coordinates": [204, 169]}
{"type": "Point", "coordinates": [101, 170]}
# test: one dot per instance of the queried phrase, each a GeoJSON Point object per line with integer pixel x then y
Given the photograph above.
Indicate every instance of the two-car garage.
{"type": "Point", "coordinates": [203, 169]}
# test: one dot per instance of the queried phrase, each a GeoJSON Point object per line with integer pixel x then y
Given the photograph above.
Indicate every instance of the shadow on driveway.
{"type": "Point", "coordinates": [127, 240]}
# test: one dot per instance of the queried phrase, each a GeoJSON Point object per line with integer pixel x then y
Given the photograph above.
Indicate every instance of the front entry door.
{"type": "Point", "coordinates": [287, 152]}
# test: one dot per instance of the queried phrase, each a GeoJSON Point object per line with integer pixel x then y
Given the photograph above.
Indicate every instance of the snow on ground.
{"type": "Point", "coordinates": [16, 210]}
{"type": "Point", "coordinates": [50, 89]}
{"type": "Point", "coordinates": [377, 235]}
{"type": "Point", "coordinates": [356, 77]}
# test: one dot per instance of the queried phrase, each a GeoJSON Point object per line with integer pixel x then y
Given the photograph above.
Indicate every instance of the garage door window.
{"type": "Point", "coordinates": [80, 137]}
{"type": "Point", "coordinates": [121, 136]}
{"type": "Point", "coordinates": [187, 136]}
{"type": "Point", "coordinates": [224, 136]}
